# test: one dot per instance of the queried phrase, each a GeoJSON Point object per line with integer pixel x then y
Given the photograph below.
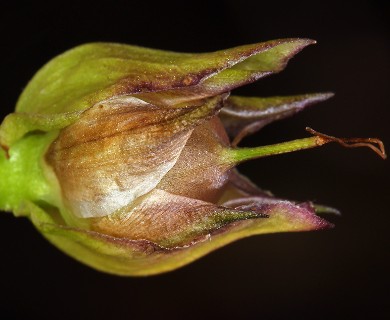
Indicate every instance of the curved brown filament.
{"type": "Point", "coordinates": [374, 144]}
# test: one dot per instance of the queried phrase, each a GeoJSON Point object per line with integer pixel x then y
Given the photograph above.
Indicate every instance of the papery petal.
{"type": "Point", "coordinates": [198, 172]}
{"type": "Point", "coordinates": [168, 220]}
{"type": "Point", "coordinates": [242, 116]}
{"type": "Point", "coordinates": [101, 169]}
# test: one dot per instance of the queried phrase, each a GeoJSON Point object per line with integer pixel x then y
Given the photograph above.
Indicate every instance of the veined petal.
{"type": "Point", "coordinates": [168, 220]}
{"type": "Point", "coordinates": [199, 172]}
{"type": "Point", "coordinates": [101, 169]}
{"type": "Point", "coordinates": [242, 116]}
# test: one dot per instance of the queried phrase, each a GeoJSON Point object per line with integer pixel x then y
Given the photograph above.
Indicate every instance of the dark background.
{"type": "Point", "coordinates": [341, 272]}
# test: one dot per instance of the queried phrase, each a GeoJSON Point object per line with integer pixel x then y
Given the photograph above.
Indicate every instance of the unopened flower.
{"type": "Point", "coordinates": [123, 157]}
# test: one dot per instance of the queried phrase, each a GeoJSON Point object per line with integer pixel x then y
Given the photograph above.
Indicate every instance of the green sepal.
{"type": "Point", "coordinates": [24, 175]}
{"type": "Point", "coordinates": [126, 257]}
{"type": "Point", "coordinates": [16, 125]}
{"type": "Point", "coordinates": [243, 116]}
{"type": "Point", "coordinates": [90, 73]}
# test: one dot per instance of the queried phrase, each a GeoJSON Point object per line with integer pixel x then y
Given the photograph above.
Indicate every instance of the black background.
{"type": "Point", "coordinates": [341, 272]}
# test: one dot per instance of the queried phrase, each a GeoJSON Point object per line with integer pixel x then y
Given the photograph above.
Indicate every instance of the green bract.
{"type": "Point", "coordinates": [121, 157]}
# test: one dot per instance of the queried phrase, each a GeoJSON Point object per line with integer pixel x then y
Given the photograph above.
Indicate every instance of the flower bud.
{"type": "Point", "coordinates": [123, 157]}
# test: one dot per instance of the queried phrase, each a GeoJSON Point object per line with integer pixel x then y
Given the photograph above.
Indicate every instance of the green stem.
{"type": "Point", "coordinates": [237, 155]}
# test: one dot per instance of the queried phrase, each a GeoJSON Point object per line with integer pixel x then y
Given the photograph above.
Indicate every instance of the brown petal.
{"type": "Point", "coordinates": [120, 150]}
{"type": "Point", "coordinates": [198, 172]}
{"type": "Point", "coordinates": [168, 220]}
